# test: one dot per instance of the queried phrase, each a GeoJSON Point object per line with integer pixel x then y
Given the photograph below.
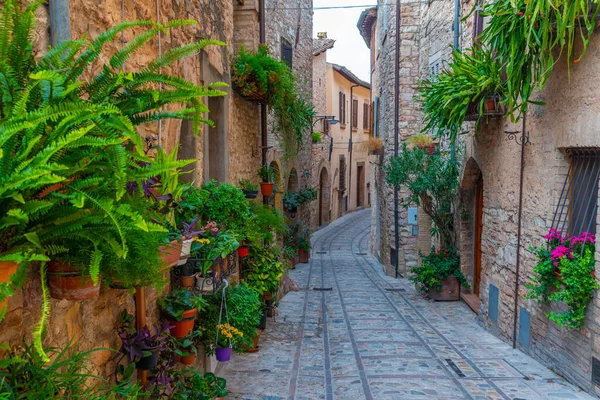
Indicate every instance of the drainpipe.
{"type": "Point", "coordinates": [456, 23]}
{"type": "Point", "coordinates": [263, 106]}
{"type": "Point", "coordinates": [518, 266]}
{"type": "Point", "coordinates": [60, 21]}
{"type": "Point", "coordinates": [396, 130]}
{"type": "Point", "coordinates": [351, 144]}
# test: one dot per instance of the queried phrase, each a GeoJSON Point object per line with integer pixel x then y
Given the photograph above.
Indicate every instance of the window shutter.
{"type": "Point", "coordinates": [287, 53]}
{"type": "Point", "coordinates": [344, 107]}
{"type": "Point", "coordinates": [341, 107]}
{"type": "Point", "coordinates": [365, 116]}
{"type": "Point", "coordinates": [342, 174]}
{"type": "Point", "coordinates": [477, 24]}
{"type": "Point", "coordinates": [354, 113]}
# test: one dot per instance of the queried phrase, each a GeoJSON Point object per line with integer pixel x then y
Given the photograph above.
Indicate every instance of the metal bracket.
{"type": "Point", "coordinates": [512, 135]}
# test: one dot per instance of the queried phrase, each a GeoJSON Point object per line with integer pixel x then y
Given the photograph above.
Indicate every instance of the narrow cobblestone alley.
{"type": "Point", "coordinates": [375, 337]}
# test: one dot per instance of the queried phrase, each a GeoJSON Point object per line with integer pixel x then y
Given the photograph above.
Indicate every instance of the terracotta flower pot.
{"type": "Point", "coordinates": [449, 292]}
{"type": "Point", "coordinates": [490, 105]}
{"type": "Point", "coordinates": [243, 251]}
{"type": "Point", "coordinates": [180, 329]}
{"type": "Point", "coordinates": [304, 256]}
{"type": "Point", "coordinates": [188, 360]}
{"type": "Point", "coordinates": [188, 281]}
{"type": "Point", "coordinates": [66, 282]}
{"type": "Point", "coordinates": [170, 253]}
{"type": "Point", "coordinates": [254, 347]}
{"type": "Point", "coordinates": [7, 268]}
{"type": "Point", "coordinates": [266, 188]}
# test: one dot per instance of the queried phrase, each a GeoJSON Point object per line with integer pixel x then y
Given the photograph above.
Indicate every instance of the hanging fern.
{"type": "Point", "coordinates": [40, 327]}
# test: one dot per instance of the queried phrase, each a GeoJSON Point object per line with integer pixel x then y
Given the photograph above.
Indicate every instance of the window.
{"type": "Point", "coordinates": [342, 187]}
{"type": "Point", "coordinates": [287, 54]}
{"type": "Point", "coordinates": [376, 117]}
{"type": "Point", "coordinates": [366, 116]}
{"type": "Point", "coordinates": [578, 204]}
{"type": "Point", "coordinates": [342, 106]}
{"type": "Point", "coordinates": [354, 114]}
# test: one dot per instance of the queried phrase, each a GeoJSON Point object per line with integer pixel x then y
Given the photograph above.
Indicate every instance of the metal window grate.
{"type": "Point", "coordinates": [578, 203]}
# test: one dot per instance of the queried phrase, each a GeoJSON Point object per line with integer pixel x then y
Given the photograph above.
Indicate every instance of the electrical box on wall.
{"type": "Point", "coordinates": [413, 216]}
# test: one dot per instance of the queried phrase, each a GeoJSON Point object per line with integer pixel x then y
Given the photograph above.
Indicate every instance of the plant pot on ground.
{"type": "Point", "coordinates": [69, 283]}
{"type": "Point", "coordinates": [180, 307]}
{"type": "Point", "coordinates": [263, 319]}
{"type": "Point", "coordinates": [439, 275]}
{"type": "Point", "coordinates": [303, 256]}
{"type": "Point", "coordinates": [255, 341]}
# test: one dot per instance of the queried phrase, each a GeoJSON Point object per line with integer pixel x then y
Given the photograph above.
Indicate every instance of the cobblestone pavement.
{"type": "Point", "coordinates": [375, 337]}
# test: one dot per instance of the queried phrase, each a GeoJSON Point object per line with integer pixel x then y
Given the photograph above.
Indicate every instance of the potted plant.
{"type": "Point", "coordinates": [181, 307]}
{"type": "Point", "coordinates": [317, 137]}
{"type": "Point", "coordinates": [439, 275]}
{"type": "Point", "coordinates": [211, 244]}
{"type": "Point", "coordinates": [250, 189]}
{"type": "Point", "coordinates": [291, 202]}
{"type": "Point", "coordinates": [423, 142]}
{"type": "Point", "coordinates": [227, 337]}
{"type": "Point", "coordinates": [374, 146]}
{"type": "Point", "coordinates": [243, 250]}
{"type": "Point", "coordinates": [185, 349]}
{"type": "Point", "coordinates": [289, 252]}
{"type": "Point", "coordinates": [70, 283]}
{"type": "Point", "coordinates": [263, 270]}
{"type": "Point", "coordinates": [267, 175]}
{"type": "Point", "coordinates": [188, 233]}
{"type": "Point", "coordinates": [304, 247]}
{"type": "Point", "coordinates": [141, 345]}
{"type": "Point", "coordinates": [193, 384]}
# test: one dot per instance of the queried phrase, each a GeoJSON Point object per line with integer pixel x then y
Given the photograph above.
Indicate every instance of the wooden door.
{"type": "Point", "coordinates": [477, 239]}
{"type": "Point", "coordinates": [360, 185]}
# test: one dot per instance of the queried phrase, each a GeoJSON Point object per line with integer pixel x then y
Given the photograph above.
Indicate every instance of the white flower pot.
{"type": "Point", "coordinates": [185, 251]}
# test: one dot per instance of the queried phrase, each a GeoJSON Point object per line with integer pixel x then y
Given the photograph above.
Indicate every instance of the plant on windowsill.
{"type": "Point", "coordinates": [373, 146]}
{"type": "Point", "coordinates": [565, 273]}
{"type": "Point", "coordinates": [439, 275]}
{"type": "Point", "coordinates": [423, 142]}
{"type": "Point", "coordinates": [267, 175]}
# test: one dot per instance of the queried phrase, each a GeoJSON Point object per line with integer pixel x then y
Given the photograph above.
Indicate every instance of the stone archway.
{"type": "Point", "coordinates": [324, 197]}
{"type": "Point", "coordinates": [470, 218]}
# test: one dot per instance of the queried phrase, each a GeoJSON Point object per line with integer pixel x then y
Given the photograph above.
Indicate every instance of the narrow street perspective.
{"type": "Point", "coordinates": [351, 332]}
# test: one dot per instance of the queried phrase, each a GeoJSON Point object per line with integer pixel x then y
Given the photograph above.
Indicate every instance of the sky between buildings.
{"type": "Point", "coordinates": [340, 24]}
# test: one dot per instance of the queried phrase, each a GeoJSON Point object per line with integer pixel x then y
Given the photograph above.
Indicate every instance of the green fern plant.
{"type": "Point", "coordinates": [69, 148]}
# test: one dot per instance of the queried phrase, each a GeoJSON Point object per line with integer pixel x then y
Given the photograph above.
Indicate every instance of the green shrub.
{"type": "Point", "coordinates": [437, 266]}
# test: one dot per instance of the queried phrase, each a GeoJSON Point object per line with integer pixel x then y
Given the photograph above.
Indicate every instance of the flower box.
{"type": "Point", "coordinates": [491, 108]}
{"type": "Point", "coordinates": [450, 290]}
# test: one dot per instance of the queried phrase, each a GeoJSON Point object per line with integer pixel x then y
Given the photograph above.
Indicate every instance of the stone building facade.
{"type": "Point", "coordinates": [486, 213]}
{"type": "Point", "coordinates": [228, 152]}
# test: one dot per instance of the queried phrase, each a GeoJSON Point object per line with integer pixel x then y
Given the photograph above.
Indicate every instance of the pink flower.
{"type": "Point", "coordinates": [561, 251]}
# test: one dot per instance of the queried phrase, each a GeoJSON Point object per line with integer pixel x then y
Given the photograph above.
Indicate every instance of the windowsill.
{"type": "Point", "coordinates": [342, 126]}
{"type": "Point", "coordinates": [354, 129]}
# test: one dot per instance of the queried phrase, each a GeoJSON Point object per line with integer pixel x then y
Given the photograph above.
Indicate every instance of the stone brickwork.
{"type": "Point", "coordinates": [567, 120]}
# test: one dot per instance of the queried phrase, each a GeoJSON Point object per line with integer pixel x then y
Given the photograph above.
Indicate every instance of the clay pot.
{"type": "Point", "coordinates": [68, 283]}
{"type": "Point", "coordinates": [186, 247]}
{"type": "Point", "coordinates": [188, 360]}
{"type": "Point", "coordinates": [450, 290]}
{"type": "Point", "coordinates": [266, 188]}
{"type": "Point", "coordinates": [304, 256]}
{"type": "Point", "coordinates": [180, 329]}
{"type": "Point", "coordinates": [262, 325]}
{"type": "Point", "coordinates": [188, 281]}
{"type": "Point", "coordinates": [7, 268]}
{"type": "Point", "coordinates": [254, 347]}
{"type": "Point", "coordinates": [243, 251]}
{"type": "Point", "coordinates": [490, 105]}
{"type": "Point", "coordinates": [170, 253]}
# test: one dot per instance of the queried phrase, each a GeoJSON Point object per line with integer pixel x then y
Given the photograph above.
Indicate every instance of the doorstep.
{"type": "Point", "coordinates": [472, 301]}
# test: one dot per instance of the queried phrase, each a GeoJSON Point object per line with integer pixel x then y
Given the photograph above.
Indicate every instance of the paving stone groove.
{"type": "Point", "coordinates": [374, 337]}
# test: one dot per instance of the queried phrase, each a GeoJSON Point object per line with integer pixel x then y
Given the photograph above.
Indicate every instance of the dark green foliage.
{"type": "Point", "coordinates": [191, 384]}
{"type": "Point", "coordinates": [267, 173]}
{"type": "Point", "coordinates": [296, 199]}
{"type": "Point", "coordinates": [263, 270]}
{"type": "Point", "coordinates": [437, 266]}
{"type": "Point", "coordinates": [179, 301]}
{"type": "Point", "coordinates": [244, 307]}
{"type": "Point", "coordinates": [432, 183]}
{"type": "Point", "coordinates": [226, 205]}
{"type": "Point", "coordinates": [266, 222]}
{"type": "Point", "coordinates": [25, 375]}
{"type": "Point", "coordinates": [261, 76]}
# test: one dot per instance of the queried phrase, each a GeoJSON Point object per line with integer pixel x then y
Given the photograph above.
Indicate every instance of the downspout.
{"type": "Point", "coordinates": [456, 23]}
{"type": "Point", "coordinates": [351, 146]}
{"type": "Point", "coordinates": [518, 266]}
{"type": "Point", "coordinates": [396, 131]}
{"type": "Point", "coordinates": [263, 106]}
{"type": "Point", "coordinates": [60, 21]}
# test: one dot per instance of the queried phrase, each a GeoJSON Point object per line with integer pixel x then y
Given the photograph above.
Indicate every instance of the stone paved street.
{"type": "Point", "coordinates": [375, 337]}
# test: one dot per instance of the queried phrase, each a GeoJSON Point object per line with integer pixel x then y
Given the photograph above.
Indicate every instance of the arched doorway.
{"type": "Point", "coordinates": [334, 194]}
{"type": "Point", "coordinates": [470, 229]}
{"type": "Point", "coordinates": [324, 197]}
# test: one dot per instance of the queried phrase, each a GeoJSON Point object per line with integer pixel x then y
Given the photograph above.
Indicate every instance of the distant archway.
{"type": "Point", "coordinates": [292, 185]}
{"type": "Point", "coordinates": [470, 227]}
{"type": "Point", "coordinates": [277, 199]}
{"type": "Point", "coordinates": [324, 197]}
